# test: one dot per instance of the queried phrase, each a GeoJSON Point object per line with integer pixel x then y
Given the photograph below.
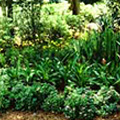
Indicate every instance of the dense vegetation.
{"type": "Point", "coordinates": [53, 60]}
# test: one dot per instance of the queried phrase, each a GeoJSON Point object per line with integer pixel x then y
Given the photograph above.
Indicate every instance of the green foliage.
{"type": "Point", "coordinates": [54, 103]}
{"type": "Point", "coordinates": [52, 71]}
{"type": "Point", "coordinates": [84, 103]}
{"type": "Point", "coordinates": [75, 22]}
{"type": "Point", "coordinates": [4, 101]}
{"type": "Point", "coordinates": [106, 100]}
{"type": "Point", "coordinates": [6, 38]}
{"type": "Point", "coordinates": [114, 6]}
{"type": "Point", "coordinates": [2, 60]}
{"type": "Point", "coordinates": [80, 104]}
{"type": "Point", "coordinates": [98, 46]}
{"type": "Point", "coordinates": [80, 73]}
{"type": "Point", "coordinates": [54, 29]}
{"type": "Point", "coordinates": [27, 25]}
{"type": "Point", "coordinates": [30, 97]}
{"type": "Point", "coordinates": [12, 55]}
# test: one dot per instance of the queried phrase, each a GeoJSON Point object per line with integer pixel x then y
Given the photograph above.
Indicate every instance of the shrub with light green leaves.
{"type": "Point", "coordinates": [75, 22]}
{"type": "Point", "coordinates": [54, 102]}
{"type": "Point", "coordinates": [106, 101]}
{"type": "Point", "coordinates": [54, 28]}
{"type": "Point", "coordinates": [6, 26]}
{"type": "Point", "coordinates": [80, 104]}
{"type": "Point", "coordinates": [4, 93]}
{"type": "Point", "coordinates": [30, 97]}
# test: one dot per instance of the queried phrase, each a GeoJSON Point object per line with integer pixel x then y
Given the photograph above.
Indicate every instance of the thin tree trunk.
{"type": "Point", "coordinates": [75, 6]}
{"type": "Point", "coordinates": [10, 8]}
{"type": "Point", "coordinates": [3, 6]}
{"type": "Point", "coordinates": [33, 22]}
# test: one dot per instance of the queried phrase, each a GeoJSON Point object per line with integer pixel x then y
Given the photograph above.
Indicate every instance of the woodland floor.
{"type": "Point", "coordinates": [43, 116]}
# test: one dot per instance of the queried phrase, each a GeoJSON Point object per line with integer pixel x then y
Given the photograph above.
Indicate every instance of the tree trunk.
{"type": "Point", "coordinates": [3, 6]}
{"type": "Point", "coordinates": [75, 6]}
{"type": "Point", "coordinates": [10, 8]}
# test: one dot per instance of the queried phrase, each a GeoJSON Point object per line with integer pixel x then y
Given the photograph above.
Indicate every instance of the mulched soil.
{"type": "Point", "coordinates": [10, 115]}
{"type": "Point", "coordinates": [31, 116]}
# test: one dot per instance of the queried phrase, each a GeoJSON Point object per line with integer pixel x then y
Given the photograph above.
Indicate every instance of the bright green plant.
{"type": "Point", "coordinates": [30, 97]}
{"type": "Point", "coordinates": [4, 93]}
{"type": "Point", "coordinates": [28, 24]}
{"type": "Point", "coordinates": [79, 73]}
{"type": "Point", "coordinates": [98, 46]}
{"type": "Point", "coordinates": [106, 101]}
{"type": "Point", "coordinates": [80, 104]}
{"type": "Point", "coordinates": [75, 22]}
{"type": "Point", "coordinates": [2, 60]}
{"type": "Point", "coordinates": [54, 103]}
{"type": "Point", "coordinates": [101, 75]}
{"type": "Point", "coordinates": [6, 38]}
{"type": "Point", "coordinates": [12, 55]}
{"type": "Point", "coordinates": [54, 29]}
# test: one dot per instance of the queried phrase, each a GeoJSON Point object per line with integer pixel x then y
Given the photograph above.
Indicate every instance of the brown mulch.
{"type": "Point", "coordinates": [112, 117]}
{"type": "Point", "coordinates": [31, 116]}
{"type": "Point", "coordinates": [43, 116]}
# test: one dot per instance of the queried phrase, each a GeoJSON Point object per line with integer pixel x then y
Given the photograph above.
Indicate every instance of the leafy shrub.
{"type": "Point", "coordinates": [75, 22]}
{"type": "Point", "coordinates": [101, 75]}
{"type": "Point", "coordinates": [28, 24]}
{"type": "Point", "coordinates": [37, 26]}
{"type": "Point", "coordinates": [107, 109]}
{"type": "Point", "coordinates": [54, 102]}
{"type": "Point", "coordinates": [106, 101]}
{"type": "Point", "coordinates": [29, 53]}
{"type": "Point", "coordinates": [87, 13]}
{"type": "Point", "coordinates": [12, 55]}
{"type": "Point", "coordinates": [54, 9]}
{"type": "Point", "coordinates": [54, 29]}
{"type": "Point", "coordinates": [59, 74]}
{"type": "Point", "coordinates": [6, 37]}
{"type": "Point", "coordinates": [23, 97]}
{"type": "Point", "coordinates": [80, 104]}
{"type": "Point", "coordinates": [98, 46]}
{"type": "Point", "coordinates": [2, 60]}
{"type": "Point", "coordinates": [51, 71]}
{"type": "Point", "coordinates": [43, 70]}
{"type": "Point", "coordinates": [30, 97]}
{"type": "Point", "coordinates": [114, 11]}
{"type": "Point", "coordinates": [4, 93]}
{"type": "Point", "coordinates": [80, 73]}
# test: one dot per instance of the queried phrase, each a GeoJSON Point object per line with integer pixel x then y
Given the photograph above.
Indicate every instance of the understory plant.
{"type": "Point", "coordinates": [30, 97]}
{"type": "Point", "coordinates": [106, 101]}
{"type": "Point", "coordinates": [80, 104]}
{"type": "Point", "coordinates": [54, 103]}
{"type": "Point", "coordinates": [4, 93]}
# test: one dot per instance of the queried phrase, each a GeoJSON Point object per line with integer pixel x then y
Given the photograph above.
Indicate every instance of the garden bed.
{"type": "Point", "coordinates": [44, 116]}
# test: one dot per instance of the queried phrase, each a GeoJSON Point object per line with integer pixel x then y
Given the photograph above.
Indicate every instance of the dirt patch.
{"type": "Point", "coordinates": [43, 116]}
{"type": "Point", "coordinates": [31, 116]}
{"type": "Point", "coordinates": [112, 117]}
